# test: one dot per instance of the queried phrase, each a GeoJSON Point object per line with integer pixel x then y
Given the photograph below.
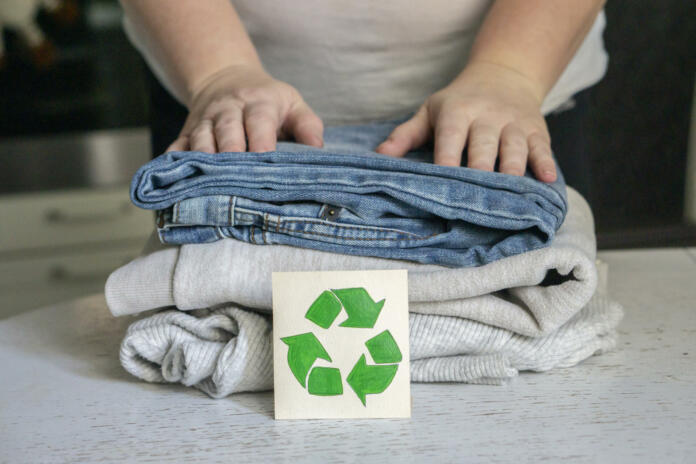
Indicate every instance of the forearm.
{"type": "Point", "coordinates": [534, 38]}
{"type": "Point", "coordinates": [193, 39]}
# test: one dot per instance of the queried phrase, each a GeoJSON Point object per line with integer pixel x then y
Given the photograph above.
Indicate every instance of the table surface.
{"type": "Point", "coordinates": [65, 398]}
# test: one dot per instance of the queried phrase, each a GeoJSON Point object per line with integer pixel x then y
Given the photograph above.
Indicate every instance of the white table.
{"type": "Point", "coordinates": [65, 398]}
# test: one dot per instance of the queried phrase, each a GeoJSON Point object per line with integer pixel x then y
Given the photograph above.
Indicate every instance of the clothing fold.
{"type": "Point", "coordinates": [346, 198]}
{"type": "Point", "coordinates": [532, 293]}
{"type": "Point", "coordinates": [228, 349]}
{"type": "Point", "coordinates": [535, 311]}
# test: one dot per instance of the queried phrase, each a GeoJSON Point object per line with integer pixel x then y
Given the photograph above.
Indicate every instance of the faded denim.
{"type": "Point", "coordinates": [345, 198]}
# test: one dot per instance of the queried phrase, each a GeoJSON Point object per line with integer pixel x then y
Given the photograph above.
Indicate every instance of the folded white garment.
{"type": "Point", "coordinates": [531, 293]}
{"type": "Point", "coordinates": [228, 349]}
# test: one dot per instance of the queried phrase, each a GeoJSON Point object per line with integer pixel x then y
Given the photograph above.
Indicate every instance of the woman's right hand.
{"type": "Point", "coordinates": [242, 108]}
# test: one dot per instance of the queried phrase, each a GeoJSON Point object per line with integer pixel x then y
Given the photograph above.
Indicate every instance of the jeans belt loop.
{"type": "Point", "coordinates": [232, 218]}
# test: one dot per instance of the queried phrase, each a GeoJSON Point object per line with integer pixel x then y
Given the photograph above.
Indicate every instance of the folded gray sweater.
{"type": "Point", "coordinates": [228, 349]}
{"type": "Point", "coordinates": [531, 294]}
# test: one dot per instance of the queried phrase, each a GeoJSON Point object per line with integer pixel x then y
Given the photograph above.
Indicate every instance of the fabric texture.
{"type": "Point", "coordinates": [345, 198]}
{"type": "Point", "coordinates": [531, 293]}
{"type": "Point", "coordinates": [404, 52]}
{"type": "Point", "coordinates": [228, 349]}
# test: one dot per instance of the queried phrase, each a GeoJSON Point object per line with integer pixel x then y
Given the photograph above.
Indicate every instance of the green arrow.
{"type": "Point", "coordinates": [303, 350]}
{"type": "Point", "coordinates": [325, 381]}
{"type": "Point", "coordinates": [364, 379]}
{"type": "Point", "coordinates": [324, 310]}
{"type": "Point", "coordinates": [361, 308]}
{"type": "Point", "coordinates": [383, 348]}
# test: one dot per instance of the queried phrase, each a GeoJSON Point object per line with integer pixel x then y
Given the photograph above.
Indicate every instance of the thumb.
{"type": "Point", "coordinates": [407, 136]}
{"type": "Point", "coordinates": [304, 125]}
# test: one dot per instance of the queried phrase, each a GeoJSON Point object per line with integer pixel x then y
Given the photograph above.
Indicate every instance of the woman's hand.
{"type": "Point", "coordinates": [494, 111]}
{"type": "Point", "coordinates": [241, 107]}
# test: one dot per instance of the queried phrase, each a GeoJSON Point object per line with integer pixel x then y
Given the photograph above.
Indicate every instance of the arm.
{"type": "Point", "coordinates": [206, 51]}
{"type": "Point", "coordinates": [494, 104]}
{"type": "Point", "coordinates": [535, 38]}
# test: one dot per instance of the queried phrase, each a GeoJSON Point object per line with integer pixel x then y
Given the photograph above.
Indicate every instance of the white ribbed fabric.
{"type": "Point", "coordinates": [506, 293]}
{"type": "Point", "coordinates": [220, 351]}
{"type": "Point", "coordinates": [227, 349]}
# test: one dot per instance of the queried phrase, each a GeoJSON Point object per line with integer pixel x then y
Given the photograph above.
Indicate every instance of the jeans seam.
{"type": "Point", "coordinates": [268, 224]}
{"type": "Point", "coordinates": [294, 232]}
{"type": "Point", "coordinates": [495, 213]}
{"type": "Point", "coordinates": [263, 229]}
{"type": "Point", "coordinates": [329, 224]}
{"type": "Point", "coordinates": [283, 229]}
{"type": "Point", "coordinates": [159, 235]}
{"type": "Point", "coordinates": [233, 204]}
{"type": "Point", "coordinates": [353, 227]}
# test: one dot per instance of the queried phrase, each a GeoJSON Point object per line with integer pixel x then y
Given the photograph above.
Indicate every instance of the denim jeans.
{"type": "Point", "coordinates": [345, 198]}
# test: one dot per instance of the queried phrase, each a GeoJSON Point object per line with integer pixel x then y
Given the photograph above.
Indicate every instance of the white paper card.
{"type": "Point", "coordinates": [340, 344]}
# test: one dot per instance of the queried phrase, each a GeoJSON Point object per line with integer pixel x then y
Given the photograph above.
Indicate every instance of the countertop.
{"type": "Point", "coordinates": [65, 398]}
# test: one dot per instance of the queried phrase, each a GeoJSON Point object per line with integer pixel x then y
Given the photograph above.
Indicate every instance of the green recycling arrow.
{"type": "Point", "coordinates": [361, 308]}
{"type": "Point", "coordinates": [303, 350]}
{"type": "Point", "coordinates": [383, 348]}
{"type": "Point", "coordinates": [364, 379]}
{"type": "Point", "coordinates": [324, 310]}
{"type": "Point", "coordinates": [325, 381]}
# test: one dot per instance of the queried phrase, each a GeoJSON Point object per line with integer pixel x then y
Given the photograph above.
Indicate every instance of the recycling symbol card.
{"type": "Point", "coordinates": [340, 344]}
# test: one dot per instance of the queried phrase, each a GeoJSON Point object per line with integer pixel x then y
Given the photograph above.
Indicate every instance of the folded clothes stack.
{"type": "Point", "coordinates": [502, 272]}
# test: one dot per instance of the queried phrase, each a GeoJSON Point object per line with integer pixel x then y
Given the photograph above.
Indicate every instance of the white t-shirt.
{"type": "Point", "coordinates": [364, 60]}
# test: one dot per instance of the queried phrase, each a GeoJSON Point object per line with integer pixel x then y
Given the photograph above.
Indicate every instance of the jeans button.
{"type": "Point", "coordinates": [329, 212]}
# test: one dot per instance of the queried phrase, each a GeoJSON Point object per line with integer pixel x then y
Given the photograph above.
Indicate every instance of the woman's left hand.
{"type": "Point", "coordinates": [494, 111]}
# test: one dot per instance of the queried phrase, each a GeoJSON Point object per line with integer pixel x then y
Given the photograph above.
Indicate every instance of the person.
{"type": "Point", "coordinates": [487, 82]}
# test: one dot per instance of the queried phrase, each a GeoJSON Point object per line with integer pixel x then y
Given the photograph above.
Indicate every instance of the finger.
{"type": "Point", "coordinates": [540, 158]}
{"type": "Point", "coordinates": [513, 150]}
{"type": "Point", "coordinates": [305, 126]}
{"type": "Point", "coordinates": [483, 146]}
{"type": "Point", "coordinates": [180, 144]}
{"type": "Point", "coordinates": [202, 138]}
{"type": "Point", "coordinates": [261, 126]}
{"type": "Point", "coordinates": [229, 130]}
{"type": "Point", "coordinates": [408, 135]}
{"type": "Point", "coordinates": [451, 132]}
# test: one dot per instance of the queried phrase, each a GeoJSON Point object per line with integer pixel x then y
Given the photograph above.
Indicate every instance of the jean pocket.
{"type": "Point", "coordinates": [323, 230]}
{"type": "Point", "coordinates": [265, 222]}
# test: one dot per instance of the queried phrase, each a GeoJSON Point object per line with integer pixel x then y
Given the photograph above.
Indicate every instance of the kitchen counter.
{"type": "Point", "coordinates": [65, 398]}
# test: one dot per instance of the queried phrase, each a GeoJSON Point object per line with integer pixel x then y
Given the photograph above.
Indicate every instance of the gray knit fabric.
{"type": "Point", "coordinates": [534, 311]}
{"type": "Point", "coordinates": [531, 293]}
{"type": "Point", "coordinates": [228, 349]}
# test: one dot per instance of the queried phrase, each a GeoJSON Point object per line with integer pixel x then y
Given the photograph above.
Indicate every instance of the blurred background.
{"type": "Point", "coordinates": [73, 130]}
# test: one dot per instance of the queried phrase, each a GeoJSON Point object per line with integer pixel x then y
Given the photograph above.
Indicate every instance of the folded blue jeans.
{"type": "Point", "coordinates": [346, 198]}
